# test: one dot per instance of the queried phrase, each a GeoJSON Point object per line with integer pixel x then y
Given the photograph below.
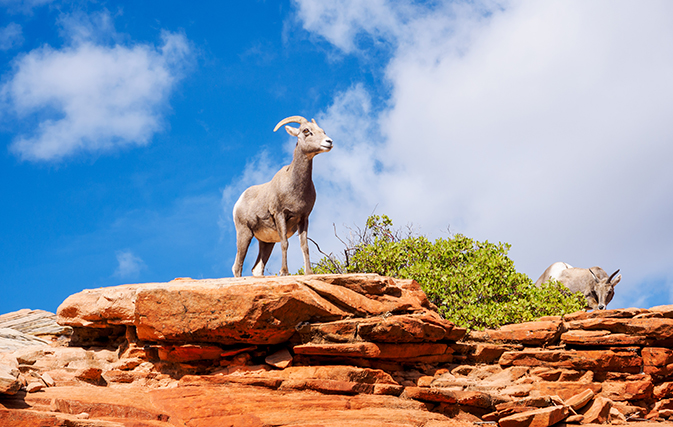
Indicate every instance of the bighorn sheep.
{"type": "Point", "coordinates": [274, 211]}
{"type": "Point", "coordinates": [597, 287]}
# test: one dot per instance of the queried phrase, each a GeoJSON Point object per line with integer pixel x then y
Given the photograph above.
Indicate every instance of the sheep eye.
{"type": "Point", "coordinates": [307, 132]}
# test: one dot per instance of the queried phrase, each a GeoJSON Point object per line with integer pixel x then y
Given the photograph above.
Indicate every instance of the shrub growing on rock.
{"type": "Point", "coordinates": [474, 284]}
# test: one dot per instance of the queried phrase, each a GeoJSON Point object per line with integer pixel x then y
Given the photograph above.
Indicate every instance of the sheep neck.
{"type": "Point", "coordinates": [301, 170]}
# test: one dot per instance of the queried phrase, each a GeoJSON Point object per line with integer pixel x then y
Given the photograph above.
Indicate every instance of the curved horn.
{"type": "Point", "coordinates": [291, 119]}
{"type": "Point", "coordinates": [592, 273]}
{"type": "Point", "coordinates": [613, 275]}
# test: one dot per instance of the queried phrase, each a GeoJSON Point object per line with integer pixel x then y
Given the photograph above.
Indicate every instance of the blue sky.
{"type": "Point", "coordinates": [129, 129]}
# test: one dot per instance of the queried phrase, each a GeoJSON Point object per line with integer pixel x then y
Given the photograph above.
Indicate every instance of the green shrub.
{"type": "Point", "coordinates": [474, 284]}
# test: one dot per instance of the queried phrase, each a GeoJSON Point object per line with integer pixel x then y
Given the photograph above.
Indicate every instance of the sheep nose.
{"type": "Point", "coordinates": [601, 307]}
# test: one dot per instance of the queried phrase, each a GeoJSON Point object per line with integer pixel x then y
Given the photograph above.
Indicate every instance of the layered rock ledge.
{"type": "Point", "coordinates": [325, 350]}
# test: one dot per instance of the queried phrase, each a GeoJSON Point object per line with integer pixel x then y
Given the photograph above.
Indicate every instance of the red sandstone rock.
{"type": "Point", "coordinates": [616, 417]}
{"type": "Point", "coordinates": [660, 406]}
{"type": "Point", "coordinates": [280, 359]}
{"type": "Point", "coordinates": [189, 353]}
{"type": "Point", "coordinates": [628, 390]}
{"type": "Point", "coordinates": [615, 314]}
{"type": "Point", "coordinates": [659, 329]}
{"type": "Point", "coordinates": [430, 394]}
{"type": "Point", "coordinates": [594, 338]}
{"type": "Point", "coordinates": [406, 346]}
{"type": "Point", "coordinates": [664, 310]}
{"type": "Point", "coordinates": [375, 351]}
{"type": "Point", "coordinates": [657, 361]}
{"type": "Point", "coordinates": [401, 329]}
{"type": "Point", "coordinates": [566, 390]}
{"type": "Point", "coordinates": [535, 402]}
{"type": "Point", "coordinates": [255, 310]}
{"type": "Point", "coordinates": [598, 412]}
{"type": "Point", "coordinates": [528, 333]}
{"type": "Point", "coordinates": [481, 352]}
{"type": "Point", "coordinates": [663, 390]}
{"type": "Point", "coordinates": [497, 415]}
{"type": "Point", "coordinates": [595, 360]}
{"type": "Point", "coordinates": [578, 401]}
{"type": "Point", "coordinates": [391, 329]}
{"type": "Point", "coordinates": [543, 417]}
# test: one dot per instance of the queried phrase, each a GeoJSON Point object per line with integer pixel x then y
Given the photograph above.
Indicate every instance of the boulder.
{"type": "Point", "coordinates": [543, 417]}
{"type": "Point", "coordinates": [9, 380]}
{"type": "Point", "coordinates": [658, 361]}
{"type": "Point", "coordinates": [280, 359]}
{"type": "Point", "coordinates": [262, 311]}
{"type": "Point", "coordinates": [598, 412]}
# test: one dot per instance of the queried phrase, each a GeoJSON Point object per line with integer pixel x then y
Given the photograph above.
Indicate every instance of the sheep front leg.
{"type": "Point", "coordinates": [281, 226]}
{"type": "Point", "coordinates": [303, 239]}
{"type": "Point", "coordinates": [243, 239]}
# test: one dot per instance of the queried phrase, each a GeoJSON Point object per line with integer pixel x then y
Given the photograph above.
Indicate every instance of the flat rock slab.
{"type": "Point", "coordinates": [33, 322]}
{"type": "Point", "coordinates": [257, 310]}
{"type": "Point", "coordinates": [538, 418]}
{"type": "Point", "coordinates": [12, 340]}
{"type": "Point", "coordinates": [593, 360]}
{"type": "Point", "coordinates": [537, 333]}
{"type": "Point", "coordinates": [230, 404]}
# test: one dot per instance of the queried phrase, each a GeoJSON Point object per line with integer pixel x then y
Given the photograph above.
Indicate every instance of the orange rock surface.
{"type": "Point", "coordinates": [326, 350]}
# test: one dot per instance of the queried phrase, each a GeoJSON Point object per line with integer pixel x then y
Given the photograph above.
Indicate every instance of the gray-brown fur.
{"type": "Point", "coordinates": [274, 211]}
{"type": "Point", "coordinates": [597, 287]}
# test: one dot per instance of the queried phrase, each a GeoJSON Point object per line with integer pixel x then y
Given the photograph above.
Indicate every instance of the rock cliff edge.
{"type": "Point", "coordinates": [322, 350]}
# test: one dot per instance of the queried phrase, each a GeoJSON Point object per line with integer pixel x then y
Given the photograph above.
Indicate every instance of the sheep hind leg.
{"type": "Point", "coordinates": [265, 250]}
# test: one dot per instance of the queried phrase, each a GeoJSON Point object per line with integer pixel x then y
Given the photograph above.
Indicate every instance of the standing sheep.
{"type": "Point", "coordinates": [274, 211]}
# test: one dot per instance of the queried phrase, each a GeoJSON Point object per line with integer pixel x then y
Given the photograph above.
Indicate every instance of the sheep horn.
{"type": "Point", "coordinates": [592, 273]}
{"type": "Point", "coordinates": [613, 275]}
{"type": "Point", "coordinates": [292, 119]}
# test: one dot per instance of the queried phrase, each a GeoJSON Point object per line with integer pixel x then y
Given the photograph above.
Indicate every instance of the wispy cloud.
{"type": "Point", "coordinates": [11, 36]}
{"type": "Point", "coordinates": [129, 265]}
{"type": "Point", "coordinates": [92, 97]}
{"type": "Point", "coordinates": [541, 124]}
{"type": "Point", "coordinates": [23, 6]}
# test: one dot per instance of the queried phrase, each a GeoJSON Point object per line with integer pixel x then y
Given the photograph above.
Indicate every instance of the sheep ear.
{"type": "Point", "coordinates": [292, 131]}
{"type": "Point", "coordinates": [616, 280]}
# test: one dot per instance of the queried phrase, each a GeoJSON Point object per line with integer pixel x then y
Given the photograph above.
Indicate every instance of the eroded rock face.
{"type": "Point", "coordinates": [327, 350]}
{"type": "Point", "coordinates": [259, 311]}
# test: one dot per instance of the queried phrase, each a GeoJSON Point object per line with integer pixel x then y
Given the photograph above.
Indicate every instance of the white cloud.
{"type": "Point", "coordinates": [543, 124]}
{"type": "Point", "coordinates": [129, 265]}
{"type": "Point", "coordinates": [343, 22]}
{"type": "Point", "coordinates": [91, 97]}
{"type": "Point", "coordinates": [10, 36]}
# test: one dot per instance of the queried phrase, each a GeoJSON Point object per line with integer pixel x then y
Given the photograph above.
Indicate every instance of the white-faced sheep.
{"type": "Point", "coordinates": [274, 211]}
